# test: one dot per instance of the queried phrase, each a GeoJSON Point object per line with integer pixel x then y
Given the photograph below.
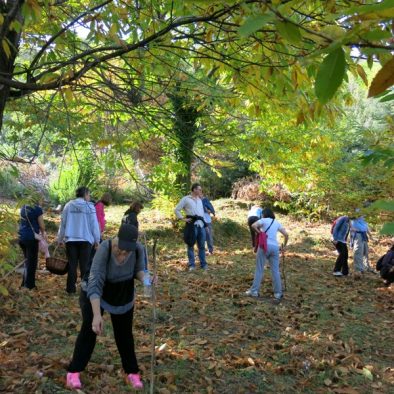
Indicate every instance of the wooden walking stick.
{"type": "Point", "coordinates": [283, 268]}
{"type": "Point", "coordinates": [153, 353]}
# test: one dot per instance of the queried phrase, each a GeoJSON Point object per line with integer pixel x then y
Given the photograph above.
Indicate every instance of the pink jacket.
{"type": "Point", "coordinates": [261, 241]}
{"type": "Point", "coordinates": [100, 215]}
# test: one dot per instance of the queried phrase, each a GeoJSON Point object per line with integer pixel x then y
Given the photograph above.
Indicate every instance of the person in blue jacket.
{"type": "Point", "coordinates": [208, 211]}
{"type": "Point", "coordinates": [340, 234]}
{"type": "Point", "coordinates": [31, 221]}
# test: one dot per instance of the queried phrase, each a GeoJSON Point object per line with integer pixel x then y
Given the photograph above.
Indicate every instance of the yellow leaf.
{"type": "Point", "coordinates": [3, 291]}
{"type": "Point", "coordinates": [367, 373]}
{"type": "Point", "coordinates": [300, 118]}
{"type": "Point", "coordinates": [251, 361]}
{"type": "Point", "coordinates": [68, 93]}
{"type": "Point", "coordinates": [362, 74]}
{"type": "Point", "coordinates": [6, 48]}
{"type": "Point", "coordinates": [103, 144]}
{"type": "Point", "coordinates": [383, 79]}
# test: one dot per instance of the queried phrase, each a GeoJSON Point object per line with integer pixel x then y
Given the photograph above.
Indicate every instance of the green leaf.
{"type": "Point", "coordinates": [383, 205]}
{"type": "Point", "coordinates": [3, 291]}
{"type": "Point", "coordinates": [374, 35]}
{"type": "Point", "coordinates": [289, 31]}
{"type": "Point", "coordinates": [387, 229]}
{"type": "Point", "coordinates": [389, 97]}
{"type": "Point", "coordinates": [254, 23]}
{"type": "Point", "coordinates": [383, 5]}
{"type": "Point", "coordinates": [330, 75]}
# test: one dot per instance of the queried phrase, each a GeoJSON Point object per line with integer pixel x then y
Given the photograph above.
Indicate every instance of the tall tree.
{"type": "Point", "coordinates": [256, 44]}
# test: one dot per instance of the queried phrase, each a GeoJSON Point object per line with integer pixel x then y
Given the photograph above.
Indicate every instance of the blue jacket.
{"type": "Point", "coordinates": [341, 229]}
{"type": "Point", "coordinates": [207, 205]}
{"type": "Point", "coordinates": [29, 221]}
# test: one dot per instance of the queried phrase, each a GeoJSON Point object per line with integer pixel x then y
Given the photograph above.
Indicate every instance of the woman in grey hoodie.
{"type": "Point", "coordinates": [110, 288]}
{"type": "Point", "coordinates": [79, 230]}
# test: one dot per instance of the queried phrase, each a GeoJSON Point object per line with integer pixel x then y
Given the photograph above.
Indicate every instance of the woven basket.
{"type": "Point", "coordinates": [56, 265]}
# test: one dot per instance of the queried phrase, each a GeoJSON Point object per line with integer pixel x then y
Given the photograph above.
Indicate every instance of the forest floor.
{"type": "Point", "coordinates": [328, 335]}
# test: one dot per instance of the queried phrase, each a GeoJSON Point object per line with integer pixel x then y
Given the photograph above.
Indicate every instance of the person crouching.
{"type": "Point", "coordinates": [110, 288]}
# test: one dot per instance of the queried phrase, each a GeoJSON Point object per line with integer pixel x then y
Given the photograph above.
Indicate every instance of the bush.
{"type": "Point", "coordinates": [217, 184]}
{"type": "Point", "coordinates": [8, 252]}
{"type": "Point", "coordinates": [9, 184]}
{"type": "Point", "coordinates": [81, 172]}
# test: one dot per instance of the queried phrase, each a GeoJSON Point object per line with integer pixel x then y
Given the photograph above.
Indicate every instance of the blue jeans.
{"type": "Point", "coordinates": [200, 235]}
{"type": "Point", "coordinates": [209, 237]}
{"type": "Point", "coordinates": [272, 255]}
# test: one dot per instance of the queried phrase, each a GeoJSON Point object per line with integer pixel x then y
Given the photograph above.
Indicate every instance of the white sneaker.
{"type": "Point", "coordinates": [191, 268]}
{"type": "Point", "coordinates": [251, 293]}
{"type": "Point", "coordinates": [337, 273]}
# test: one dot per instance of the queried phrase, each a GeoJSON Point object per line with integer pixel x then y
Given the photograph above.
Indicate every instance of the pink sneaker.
{"type": "Point", "coordinates": [73, 381]}
{"type": "Point", "coordinates": [135, 380]}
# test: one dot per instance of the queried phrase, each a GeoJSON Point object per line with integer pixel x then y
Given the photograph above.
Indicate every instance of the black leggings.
{"type": "Point", "coordinates": [30, 252]}
{"type": "Point", "coordinates": [78, 253]}
{"type": "Point", "coordinates": [86, 340]}
{"type": "Point", "coordinates": [251, 220]}
{"type": "Point", "coordinates": [341, 264]}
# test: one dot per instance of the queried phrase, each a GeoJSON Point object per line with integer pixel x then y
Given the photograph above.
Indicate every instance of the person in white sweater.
{"type": "Point", "coordinates": [79, 230]}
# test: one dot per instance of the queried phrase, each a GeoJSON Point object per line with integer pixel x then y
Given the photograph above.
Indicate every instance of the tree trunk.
{"type": "Point", "coordinates": [9, 47]}
{"type": "Point", "coordinates": [185, 129]}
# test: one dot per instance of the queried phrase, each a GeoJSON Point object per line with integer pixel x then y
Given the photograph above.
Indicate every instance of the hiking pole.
{"type": "Point", "coordinates": [153, 353]}
{"type": "Point", "coordinates": [146, 252]}
{"type": "Point", "coordinates": [283, 267]}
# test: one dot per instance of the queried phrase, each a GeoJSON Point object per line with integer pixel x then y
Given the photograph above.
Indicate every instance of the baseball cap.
{"type": "Point", "coordinates": [127, 237]}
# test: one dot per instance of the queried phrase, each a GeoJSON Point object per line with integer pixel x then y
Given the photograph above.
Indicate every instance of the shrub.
{"type": "Point", "coordinates": [8, 252]}
{"type": "Point", "coordinates": [9, 184]}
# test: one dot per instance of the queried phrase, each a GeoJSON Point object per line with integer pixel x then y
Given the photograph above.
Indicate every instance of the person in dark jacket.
{"type": "Point", "coordinates": [208, 211]}
{"type": "Point", "coordinates": [386, 267]}
{"type": "Point", "coordinates": [110, 288]}
{"type": "Point", "coordinates": [340, 234]}
{"type": "Point", "coordinates": [130, 216]}
{"type": "Point", "coordinates": [31, 223]}
{"type": "Point", "coordinates": [255, 213]}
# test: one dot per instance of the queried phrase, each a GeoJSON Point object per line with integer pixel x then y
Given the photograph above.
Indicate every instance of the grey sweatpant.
{"type": "Point", "coordinates": [360, 254]}
{"type": "Point", "coordinates": [272, 255]}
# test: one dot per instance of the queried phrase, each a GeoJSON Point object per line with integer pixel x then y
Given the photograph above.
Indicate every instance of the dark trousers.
{"type": "Point", "coordinates": [78, 252]}
{"type": "Point", "coordinates": [341, 263]}
{"type": "Point", "coordinates": [251, 220]}
{"type": "Point", "coordinates": [30, 252]}
{"type": "Point", "coordinates": [86, 340]}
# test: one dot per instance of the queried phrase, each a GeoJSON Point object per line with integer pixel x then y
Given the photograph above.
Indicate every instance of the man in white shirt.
{"type": "Point", "coordinates": [193, 207]}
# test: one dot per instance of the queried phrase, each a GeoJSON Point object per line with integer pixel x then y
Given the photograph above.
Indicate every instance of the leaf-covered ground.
{"type": "Point", "coordinates": [329, 335]}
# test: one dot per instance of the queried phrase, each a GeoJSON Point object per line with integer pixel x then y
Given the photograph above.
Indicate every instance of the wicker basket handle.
{"type": "Point", "coordinates": [54, 250]}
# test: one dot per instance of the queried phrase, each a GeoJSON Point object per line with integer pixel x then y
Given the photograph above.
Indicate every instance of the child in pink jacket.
{"type": "Point", "coordinates": [105, 200]}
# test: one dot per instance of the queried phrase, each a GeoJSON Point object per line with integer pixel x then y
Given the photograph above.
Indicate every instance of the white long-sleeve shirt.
{"type": "Point", "coordinates": [191, 206]}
